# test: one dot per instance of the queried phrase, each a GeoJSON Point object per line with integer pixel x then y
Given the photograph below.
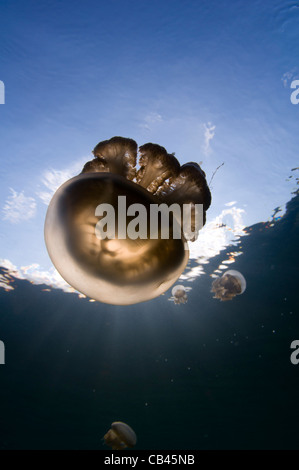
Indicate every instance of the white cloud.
{"type": "Point", "coordinates": [229, 204]}
{"type": "Point", "coordinates": [288, 77]}
{"type": "Point", "coordinates": [150, 120]}
{"type": "Point", "coordinates": [18, 207]}
{"type": "Point", "coordinates": [34, 274]}
{"type": "Point", "coordinates": [52, 179]}
{"type": "Point", "coordinates": [218, 234]}
{"type": "Point", "coordinates": [209, 133]}
{"type": "Point", "coordinates": [223, 231]}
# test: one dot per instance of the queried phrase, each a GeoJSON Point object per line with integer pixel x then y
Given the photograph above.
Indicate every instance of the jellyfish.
{"type": "Point", "coordinates": [120, 436]}
{"type": "Point", "coordinates": [120, 270]}
{"type": "Point", "coordinates": [179, 294]}
{"type": "Point", "coordinates": [230, 284]}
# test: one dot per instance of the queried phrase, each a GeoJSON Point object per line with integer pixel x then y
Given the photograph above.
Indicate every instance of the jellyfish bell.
{"type": "Point", "coordinates": [241, 279]}
{"type": "Point", "coordinates": [121, 270]}
{"type": "Point", "coordinates": [230, 284]}
{"type": "Point", "coordinates": [116, 271]}
{"type": "Point", "coordinates": [120, 436]}
{"type": "Point", "coordinates": [178, 290]}
{"type": "Point", "coordinates": [179, 294]}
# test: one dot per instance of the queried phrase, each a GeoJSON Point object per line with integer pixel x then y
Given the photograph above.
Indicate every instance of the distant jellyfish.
{"type": "Point", "coordinates": [120, 436]}
{"type": "Point", "coordinates": [121, 270]}
{"type": "Point", "coordinates": [230, 284]}
{"type": "Point", "coordinates": [179, 294]}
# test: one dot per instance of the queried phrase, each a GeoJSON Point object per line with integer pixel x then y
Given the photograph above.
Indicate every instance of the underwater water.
{"type": "Point", "coordinates": [201, 375]}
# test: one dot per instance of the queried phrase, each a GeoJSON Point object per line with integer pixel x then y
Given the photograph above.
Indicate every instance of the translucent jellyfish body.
{"type": "Point", "coordinates": [121, 270]}
{"type": "Point", "coordinates": [120, 436]}
{"type": "Point", "coordinates": [179, 294]}
{"type": "Point", "coordinates": [230, 284]}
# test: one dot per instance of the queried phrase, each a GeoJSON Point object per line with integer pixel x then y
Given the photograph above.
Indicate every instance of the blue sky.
{"type": "Point", "coordinates": [209, 80]}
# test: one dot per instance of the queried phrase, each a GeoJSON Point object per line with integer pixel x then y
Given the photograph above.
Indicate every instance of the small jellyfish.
{"type": "Point", "coordinates": [121, 270]}
{"type": "Point", "coordinates": [230, 284]}
{"type": "Point", "coordinates": [179, 295]}
{"type": "Point", "coordinates": [120, 436]}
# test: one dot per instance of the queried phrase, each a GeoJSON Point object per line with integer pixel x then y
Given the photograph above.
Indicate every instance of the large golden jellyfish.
{"type": "Point", "coordinates": [120, 436]}
{"type": "Point", "coordinates": [230, 284]}
{"type": "Point", "coordinates": [120, 270]}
